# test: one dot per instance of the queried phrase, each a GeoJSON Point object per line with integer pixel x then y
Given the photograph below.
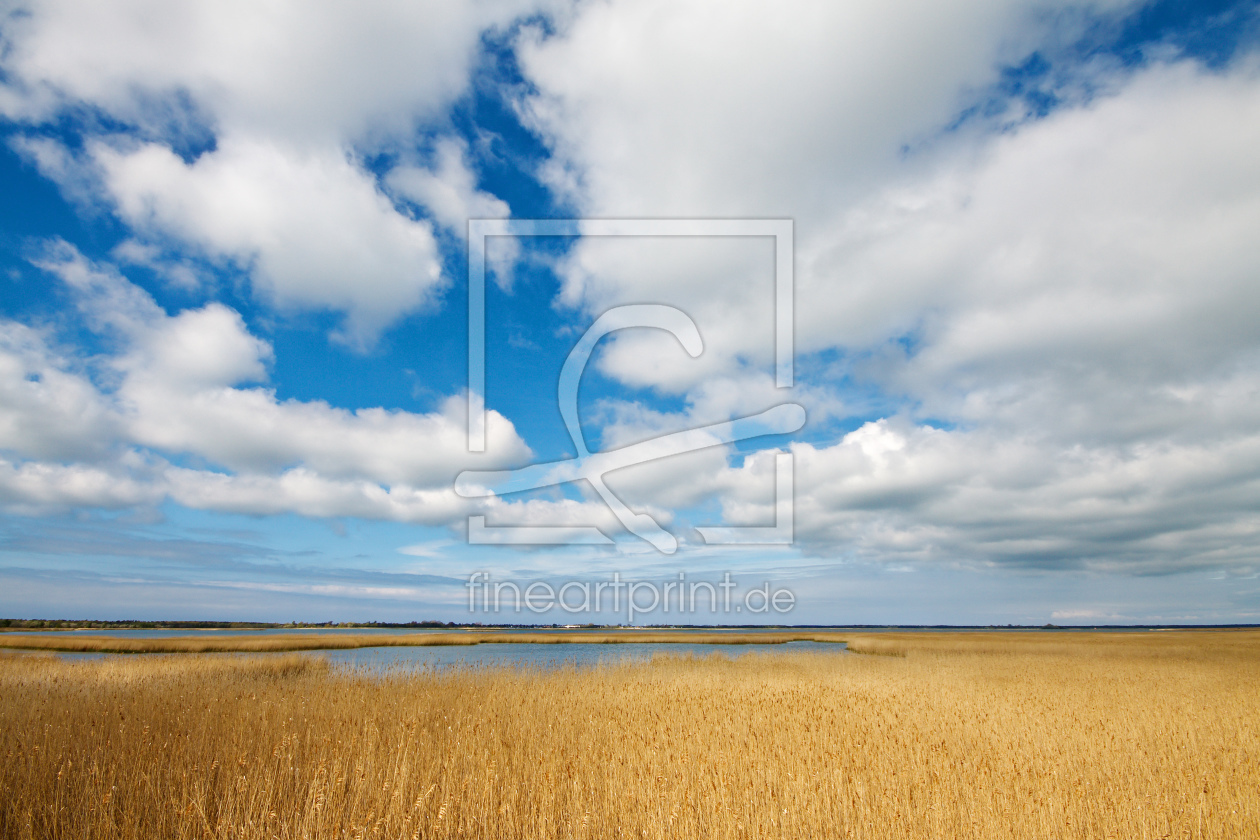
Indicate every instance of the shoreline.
{"type": "Point", "coordinates": [267, 644]}
{"type": "Point", "coordinates": [887, 643]}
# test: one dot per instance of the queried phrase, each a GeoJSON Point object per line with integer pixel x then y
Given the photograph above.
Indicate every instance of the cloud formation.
{"type": "Point", "coordinates": [1026, 271]}
{"type": "Point", "coordinates": [178, 390]}
{"type": "Point", "coordinates": [1059, 312]}
{"type": "Point", "coordinates": [237, 131]}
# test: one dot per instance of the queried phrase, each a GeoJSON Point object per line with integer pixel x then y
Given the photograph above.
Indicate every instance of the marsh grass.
{"type": "Point", "coordinates": [979, 736]}
{"type": "Point", "coordinates": [325, 641]}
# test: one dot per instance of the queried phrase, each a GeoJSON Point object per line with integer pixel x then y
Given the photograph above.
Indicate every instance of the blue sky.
{"type": "Point", "coordinates": [234, 303]}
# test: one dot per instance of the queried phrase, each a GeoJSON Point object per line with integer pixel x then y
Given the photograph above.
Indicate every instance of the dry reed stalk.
{"type": "Point", "coordinates": [978, 736]}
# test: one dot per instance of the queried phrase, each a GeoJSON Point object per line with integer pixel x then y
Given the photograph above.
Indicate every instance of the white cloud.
{"type": "Point", "coordinates": [181, 272]}
{"type": "Point", "coordinates": [1084, 264]}
{"type": "Point", "coordinates": [449, 190]}
{"type": "Point", "coordinates": [663, 108]}
{"type": "Point", "coordinates": [274, 99]}
{"type": "Point", "coordinates": [666, 110]}
{"type": "Point", "coordinates": [302, 72]}
{"type": "Point", "coordinates": [38, 486]}
{"type": "Point", "coordinates": [306, 492]}
{"type": "Point", "coordinates": [1082, 237]}
{"type": "Point", "coordinates": [196, 350]}
{"type": "Point", "coordinates": [46, 409]}
{"type": "Point", "coordinates": [892, 489]}
{"type": "Point", "coordinates": [175, 391]}
{"type": "Point", "coordinates": [311, 227]}
{"type": "Point", "coordinates": [1082, 298]}
{"type": "Point", "coordinates": [1070, 301]}
{"type": "Point", "coordinates": [176, 395]}
{"type": "Point", "coordinates": [1098, 223]}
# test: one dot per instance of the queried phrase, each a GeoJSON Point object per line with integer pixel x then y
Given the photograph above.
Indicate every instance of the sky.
{"type": "Point", "coordinates": [1022, 264]}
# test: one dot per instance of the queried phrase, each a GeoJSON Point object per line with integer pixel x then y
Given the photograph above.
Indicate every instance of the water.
{"type": "Point", "coordinates": [529, 655]}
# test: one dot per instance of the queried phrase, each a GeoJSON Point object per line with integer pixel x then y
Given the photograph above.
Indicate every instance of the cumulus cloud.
{"type": "Point", "coordinates": [40, 486]}
{"type": "Point", "coordinates": [1110, 236]}
{"type": "Point", "coordinates": [448, 190]}
{"type": "Point", "coordinates": [895, 490]}
{"type": "Point", "coordinates": [1059, 312]}
{"type": "Point", "coordinates": [665, 109]}
{"type": "Point", "coordinates": [306, 73]}
{"type": "Point", "coordinates": [311, 227]}
{"type": "Point", "coordinates": [656, 109]}
{"type": "Point", "coordinates": [47, 410]}
{"type": "Point", "coordinates": [243, 127]}
{"type": "Point", "coordinates": [180, 411]}
{"type": "Point", "coordinates": [177, 387]}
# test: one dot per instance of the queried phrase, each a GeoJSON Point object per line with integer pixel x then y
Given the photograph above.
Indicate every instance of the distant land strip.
{"type": "Point", "coordinates": [887, 643]}
{"type": "Point", "coordinates": [20, 625]}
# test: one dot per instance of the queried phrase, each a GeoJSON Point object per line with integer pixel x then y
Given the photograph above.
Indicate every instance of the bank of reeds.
{"type": "Point", "coordinates": [76, 643]}
{"type": "Point", "coordinates": [1004, 736]}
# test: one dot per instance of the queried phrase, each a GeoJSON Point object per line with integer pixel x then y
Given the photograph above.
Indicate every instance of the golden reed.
{"type": "Point", "coordinates": [947, 735]}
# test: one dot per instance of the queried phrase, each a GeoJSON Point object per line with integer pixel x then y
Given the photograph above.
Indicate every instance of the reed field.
{"type": "Point", "coordinates": [1000, 735]}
